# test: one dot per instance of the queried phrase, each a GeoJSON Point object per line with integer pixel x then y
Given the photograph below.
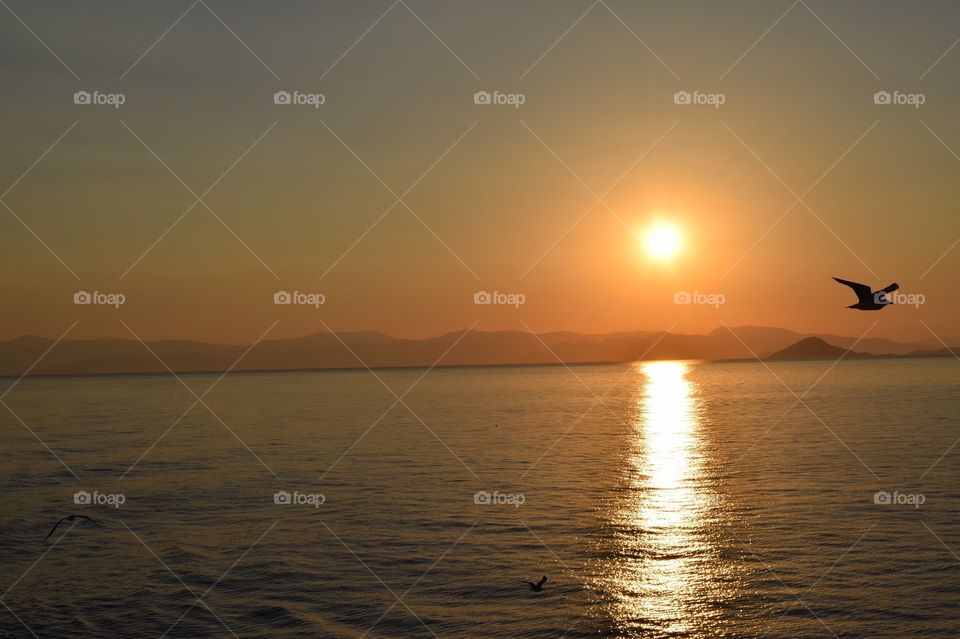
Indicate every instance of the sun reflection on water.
{"type": "Point", "coordinates": [660, 577]}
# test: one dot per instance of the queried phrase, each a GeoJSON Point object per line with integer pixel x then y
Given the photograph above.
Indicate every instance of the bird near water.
{"type": "Point", "coordinates": [70, 518]}
{"type": "Point", "coordinates": [537, 587]}
{"type": "Point", "coordinates": [868, 300]}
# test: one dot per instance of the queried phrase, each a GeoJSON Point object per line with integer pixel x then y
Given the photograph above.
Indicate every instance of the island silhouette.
{"type": "Point", "coordinates": [349, 350]}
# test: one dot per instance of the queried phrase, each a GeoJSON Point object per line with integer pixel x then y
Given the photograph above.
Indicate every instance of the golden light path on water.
{"type": "Point", "coordinates": [662, 568]}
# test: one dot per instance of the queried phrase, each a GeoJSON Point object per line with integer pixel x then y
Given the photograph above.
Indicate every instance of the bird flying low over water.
{"type": "Point", "coordinates": [537, 587]}
{"type": "Point", "coordinates": [867, 300]}
{"type": "Point", "coordinates": [70, 518]}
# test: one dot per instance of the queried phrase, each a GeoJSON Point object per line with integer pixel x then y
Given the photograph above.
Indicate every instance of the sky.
{"type": "Point", "coordinates": [399, 198]}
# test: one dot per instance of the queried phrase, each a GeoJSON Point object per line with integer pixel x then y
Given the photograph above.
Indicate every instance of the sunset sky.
{"type": "Point", "coordinates": [500, 198]}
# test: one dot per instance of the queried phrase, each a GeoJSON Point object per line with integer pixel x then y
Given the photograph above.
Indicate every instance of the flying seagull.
{"type": "Point", "coordinates": [70, 518]}
{"type": "Point", "coordinates": [867, 300]}
{"type": "Point", "coordinates": [537, 587]}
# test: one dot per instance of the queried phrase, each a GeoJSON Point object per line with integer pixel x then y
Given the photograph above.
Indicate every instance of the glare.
{"type": "Point", "coordinates": [662, 241]}
{"type": "Point", "coordinates": [661, 577]}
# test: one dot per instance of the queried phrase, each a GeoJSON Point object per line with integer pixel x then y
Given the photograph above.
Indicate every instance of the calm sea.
{"type": "Point", "coordinates": [662, 499]}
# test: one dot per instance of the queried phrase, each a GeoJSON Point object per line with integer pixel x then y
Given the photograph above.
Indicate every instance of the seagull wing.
{"type": "Point", "coordinates": [54, 528]}
{"type": "Point", "coordinates": [862, 290]}
{"type": "Point", "coordinates": [543, 580]}
{"type": "Point", "coordinates": [90, 519]}
{"type": "Point", "coordinates": [891, 288]}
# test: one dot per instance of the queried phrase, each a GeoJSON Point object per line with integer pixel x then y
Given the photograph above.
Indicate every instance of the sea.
{"type": "Point", "coordinates": [660, 499]}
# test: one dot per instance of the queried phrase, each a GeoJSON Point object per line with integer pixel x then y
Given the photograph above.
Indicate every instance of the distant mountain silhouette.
{"type": "Point", "coordinates": [476, 348]}
{"type": "Point", "coordinates": [815, 348]}
{"type": "Point", "coordinates": [953, 351]}
{"type": "Point", "coordinates": [812, 348]}
{"type": "Point", "coordinates": [765, 340]}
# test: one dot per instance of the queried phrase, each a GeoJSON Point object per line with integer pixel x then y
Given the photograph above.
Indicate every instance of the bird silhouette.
{"type": "Point", "coordinates": [70, 518]}
{"type": "Point", "coordinates": [537, 587]}
{"type": "Point", "coordinates": [867, 300]}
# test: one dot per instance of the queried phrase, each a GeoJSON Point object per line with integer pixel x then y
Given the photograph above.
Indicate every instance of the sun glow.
{"type": "Point", "coordinates": [662, 241]}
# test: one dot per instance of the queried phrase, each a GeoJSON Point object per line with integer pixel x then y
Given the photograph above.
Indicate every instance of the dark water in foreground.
{"type": "Point", "coordinates": [688, 501]}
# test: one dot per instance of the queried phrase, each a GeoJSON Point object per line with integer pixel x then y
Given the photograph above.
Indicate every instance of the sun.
{"type": "Point", "coordinates": [662, 241]}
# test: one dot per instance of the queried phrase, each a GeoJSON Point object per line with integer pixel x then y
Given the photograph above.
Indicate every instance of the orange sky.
{"type": "Point", "coordinates": [502, 199]}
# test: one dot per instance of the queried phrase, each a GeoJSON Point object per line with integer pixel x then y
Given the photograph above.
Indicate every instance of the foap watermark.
{"type": "Point", "coordinates": [696, 297]}
{"type": "Point", "coordinates": [96, 98]}
{"type": "Point", "coordinates": [499, 299]}
{"type": "Point", "coordinates": [299, 98]}
{"type": "Point", "coordinates": [916, 100]}
{"type": "Point", "coordinates": [903, 299]}
{"type": "Point", "coordinates": [98, 298]}
{"type": "Point", "coordinates": [296, 498]}
{"type": "Point", "coordinates": [516, 100]}
{"type": "Point", "coordinates": [299, 299]}
{"type": "Point", "coordinates": [716, 100]}
{"type": "Point", "coordinates": [484, 498]}
{"type": "Point", "coordinates": [96, 498]}
{"type": "Point", "coordinates": [896, 498]}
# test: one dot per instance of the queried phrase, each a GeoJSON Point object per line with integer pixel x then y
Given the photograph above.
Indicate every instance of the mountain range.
{"type": "Point", "coordinates": [460, 348]}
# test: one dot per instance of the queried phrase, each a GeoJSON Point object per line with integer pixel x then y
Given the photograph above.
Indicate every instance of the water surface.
{"type": "Point", "coordinates": [662, 499]}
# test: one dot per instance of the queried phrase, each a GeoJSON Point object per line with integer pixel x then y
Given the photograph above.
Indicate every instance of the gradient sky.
{"type": "Point", "coordinates": [799, 108]}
